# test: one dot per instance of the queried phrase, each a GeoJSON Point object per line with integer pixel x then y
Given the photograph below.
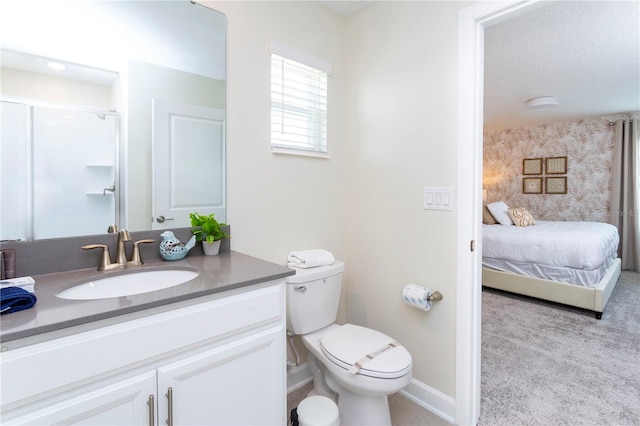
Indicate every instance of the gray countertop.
{"type": "Point", "coordinates": [228, 271]}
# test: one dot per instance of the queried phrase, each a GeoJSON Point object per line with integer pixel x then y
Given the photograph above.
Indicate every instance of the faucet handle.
{"type": "Point", "coordinates": [105, 261]}
{"type": "Point", "coordinates": [135, 255]}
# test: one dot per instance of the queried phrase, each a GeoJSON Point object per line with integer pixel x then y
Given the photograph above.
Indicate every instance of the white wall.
{"type": "Point", "coordinates": [279, 203]}
{"type": "Point", "coordinates": [41, 87]}
{"type": "Point", "coordinates": [401, 110]}
{"type": "Point", "coordinates": [393, 131]}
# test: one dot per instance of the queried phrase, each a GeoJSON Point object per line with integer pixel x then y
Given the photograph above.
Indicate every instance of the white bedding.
{"type": "Point", "coordinates": [580, 245]}
{"type": "Point", "coordinates": [560, 274]}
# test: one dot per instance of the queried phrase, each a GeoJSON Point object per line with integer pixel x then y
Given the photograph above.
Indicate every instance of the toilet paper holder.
{"type": "Point", "coordinates": [436, 295]}
{"type": "Point", "coordinates": [420, 297]}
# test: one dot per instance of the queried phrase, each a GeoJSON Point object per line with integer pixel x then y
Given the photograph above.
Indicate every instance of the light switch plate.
{"type": "Point", "coordinates": [438, 198]}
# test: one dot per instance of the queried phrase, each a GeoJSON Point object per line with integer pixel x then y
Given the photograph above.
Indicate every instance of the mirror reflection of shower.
{"type": "Point", "coordinates": [65, 158]}
{"type": "Point", "coordinates": [115, 56]}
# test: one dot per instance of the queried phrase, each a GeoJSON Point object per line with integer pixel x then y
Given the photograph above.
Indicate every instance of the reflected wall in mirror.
{"type": "Point", "coordinates": [77, 141]}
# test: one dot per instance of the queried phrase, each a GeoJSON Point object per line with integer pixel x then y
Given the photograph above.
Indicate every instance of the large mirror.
{"type": "Point", "coordinates": [127, 128]}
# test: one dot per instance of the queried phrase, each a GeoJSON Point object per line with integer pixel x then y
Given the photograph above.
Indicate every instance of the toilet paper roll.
{"type": "Point", "coordinates": [417, 296]}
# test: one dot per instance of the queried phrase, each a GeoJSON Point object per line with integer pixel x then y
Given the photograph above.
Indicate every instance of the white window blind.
{"type": "Point", "coordinates": [298, 101]}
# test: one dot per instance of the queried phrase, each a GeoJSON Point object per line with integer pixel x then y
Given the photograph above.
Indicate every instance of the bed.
{"type": "Point", "coordinates": [573, 263]}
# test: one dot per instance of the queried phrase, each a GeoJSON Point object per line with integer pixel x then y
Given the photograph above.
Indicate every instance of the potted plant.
{"type": "Point", "coordinates": [207, 229]}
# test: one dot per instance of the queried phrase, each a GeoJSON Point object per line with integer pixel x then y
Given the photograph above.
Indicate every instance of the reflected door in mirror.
{"type": "Point", "coordinates": [188, 149]}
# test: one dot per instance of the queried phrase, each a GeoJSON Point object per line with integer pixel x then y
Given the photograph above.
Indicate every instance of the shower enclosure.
{"type": "Point", "coordinates": [58, 172]}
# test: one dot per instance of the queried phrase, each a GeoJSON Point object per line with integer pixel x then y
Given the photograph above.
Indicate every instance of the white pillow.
{"type": "Point", "coordinates": [500, 212]}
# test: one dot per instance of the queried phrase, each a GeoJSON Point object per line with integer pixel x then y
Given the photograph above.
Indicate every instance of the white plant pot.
{"type": "Point", "coordinates": [211, 249]}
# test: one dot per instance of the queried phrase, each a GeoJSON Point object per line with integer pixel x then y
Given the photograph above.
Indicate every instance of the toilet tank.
{"type": "Point", "coordinates": [313, 296]}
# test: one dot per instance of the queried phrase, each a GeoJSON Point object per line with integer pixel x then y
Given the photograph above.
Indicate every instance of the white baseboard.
{"type": "Point", "coordinates": [425, 396]}
{"type": "Point", "coordinates": [298, 376]}
{"type": "Point", "coordinates": [431, 399]}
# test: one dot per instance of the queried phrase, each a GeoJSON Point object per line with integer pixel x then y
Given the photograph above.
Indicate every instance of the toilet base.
{"type": "Point", "coordinates": [356, 410]}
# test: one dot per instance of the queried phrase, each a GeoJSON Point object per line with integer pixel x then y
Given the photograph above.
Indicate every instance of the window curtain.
{"type": "Point", "coordinates": [625, 193]}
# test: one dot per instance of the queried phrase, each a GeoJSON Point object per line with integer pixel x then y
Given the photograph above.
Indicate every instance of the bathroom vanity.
{"type": "Point", "coordinates": [209, 351]}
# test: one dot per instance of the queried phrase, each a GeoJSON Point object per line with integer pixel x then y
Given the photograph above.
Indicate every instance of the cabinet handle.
{"type": "Point", "coordinates": [170, 410]}
{"type": "Point", "coordinates": [152, 409]}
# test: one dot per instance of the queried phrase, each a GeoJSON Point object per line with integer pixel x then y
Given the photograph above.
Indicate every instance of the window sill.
{"type": "Point", "coordinates": [298, 152]}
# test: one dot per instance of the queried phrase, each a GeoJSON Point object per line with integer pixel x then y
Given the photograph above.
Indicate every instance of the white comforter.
{"type": "Point", "coordinates": [581, 245]}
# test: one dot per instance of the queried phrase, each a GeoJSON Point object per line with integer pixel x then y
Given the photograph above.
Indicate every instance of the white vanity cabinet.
{"type": "Point", "coordinates": [120, 402]}
{"type": "Point", "coordinates": [243, 372]}
{"type": "Point", "coordinates": [218, 360]}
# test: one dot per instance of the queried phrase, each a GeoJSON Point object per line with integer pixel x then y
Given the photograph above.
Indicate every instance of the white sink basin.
{"type": "Point", "coordinates": [127, 284]}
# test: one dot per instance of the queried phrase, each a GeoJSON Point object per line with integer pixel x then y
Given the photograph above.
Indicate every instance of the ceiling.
{"type": "Point", "coordinates": [111, 31]}
{"type": "Point", "coordinates": [585, 53]}
{"type": "Point", "coordinates": [346, 7]}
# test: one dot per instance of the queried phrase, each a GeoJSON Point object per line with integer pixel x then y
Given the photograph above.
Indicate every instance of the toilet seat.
{"type": "Point", "coordinates": [350, 344]}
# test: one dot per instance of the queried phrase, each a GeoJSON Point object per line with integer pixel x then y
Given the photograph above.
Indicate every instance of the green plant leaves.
{"type": "Point", "coordinates": [206, 228]}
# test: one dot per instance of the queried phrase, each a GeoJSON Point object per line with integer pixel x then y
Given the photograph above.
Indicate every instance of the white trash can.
{"type": "Point", "coordinates": [318, 410]}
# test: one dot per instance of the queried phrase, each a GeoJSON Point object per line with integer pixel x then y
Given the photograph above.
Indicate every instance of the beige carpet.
{"type": "Point", "coordinates": [546, 364]}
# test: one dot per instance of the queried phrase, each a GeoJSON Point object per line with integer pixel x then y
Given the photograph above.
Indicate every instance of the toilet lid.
{"type": "Point", "coordinates": [366, 351]}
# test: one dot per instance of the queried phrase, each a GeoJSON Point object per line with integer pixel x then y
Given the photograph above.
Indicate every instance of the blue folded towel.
{"type": "Point", "coordinates": [14, 299]}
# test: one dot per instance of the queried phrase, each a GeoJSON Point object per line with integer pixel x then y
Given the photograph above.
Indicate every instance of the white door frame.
{"type": "Point", "coordinates": [471, 23]}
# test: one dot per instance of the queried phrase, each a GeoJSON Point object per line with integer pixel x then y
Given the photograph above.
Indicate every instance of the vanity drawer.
{"type": "Point", "coordinates": [80, 358]}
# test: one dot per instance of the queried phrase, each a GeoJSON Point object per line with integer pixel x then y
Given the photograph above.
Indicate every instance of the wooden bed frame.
{"type": "Point", "coordinates": [593, 299]}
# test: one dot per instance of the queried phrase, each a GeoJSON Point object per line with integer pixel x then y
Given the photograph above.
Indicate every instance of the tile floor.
{"type": "Point", "coordinates": [404, 412]}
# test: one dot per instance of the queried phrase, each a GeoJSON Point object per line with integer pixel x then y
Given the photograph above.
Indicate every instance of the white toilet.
{"type": "Point", "coordinates": [359, 365]}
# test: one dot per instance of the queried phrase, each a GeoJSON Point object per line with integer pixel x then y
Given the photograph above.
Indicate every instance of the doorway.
{"type": "Point", "coordinates": [471, 24]}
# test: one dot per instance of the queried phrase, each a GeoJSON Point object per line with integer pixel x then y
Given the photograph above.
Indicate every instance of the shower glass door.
{"type": "Point", "coordinates": [69, 172]}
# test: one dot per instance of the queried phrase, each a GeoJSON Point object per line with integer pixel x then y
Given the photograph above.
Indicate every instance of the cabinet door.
{"type": "Point", "coordinates": [238, 383]}
{"type": "Point", "coordinates": [114, 402]}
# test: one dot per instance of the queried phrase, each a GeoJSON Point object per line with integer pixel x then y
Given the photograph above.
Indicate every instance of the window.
{"type": "Point", "coordinates": [298, 102]}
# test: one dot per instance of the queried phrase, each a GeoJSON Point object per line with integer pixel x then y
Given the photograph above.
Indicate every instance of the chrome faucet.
{"type": "Point", "coordinates": [121, 252]}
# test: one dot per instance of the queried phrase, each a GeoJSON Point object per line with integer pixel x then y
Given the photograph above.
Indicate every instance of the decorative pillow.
{"type": "Point", "coordinates": [499, 210]}
{"type": "Point", "coordinates": [487, 217]}
{"type": "Point", "coordinates": [521, 217]}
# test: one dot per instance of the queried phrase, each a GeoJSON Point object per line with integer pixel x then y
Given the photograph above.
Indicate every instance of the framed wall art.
{"type": "Point", "coordinates": [556, 165]}
{"type": "Point", "coordinates": [532, 185]}
{"type": "Point", "coordinates": [532, 166]}
{"type": "Point", "coordinates": [556, 185]}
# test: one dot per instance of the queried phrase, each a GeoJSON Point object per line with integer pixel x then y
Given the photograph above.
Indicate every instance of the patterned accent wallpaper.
{"type": "Point", "coordinates": [588, 146]}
